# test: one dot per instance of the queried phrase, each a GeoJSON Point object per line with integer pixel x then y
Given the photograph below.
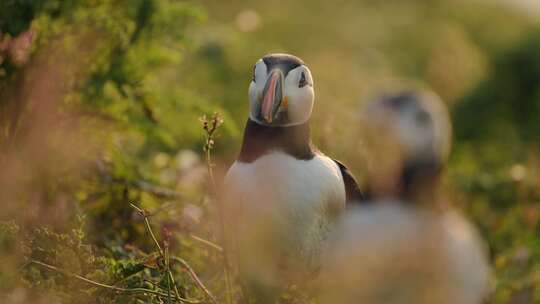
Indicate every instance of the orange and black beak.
{"type": "Point", "coordinates": [272, 96]}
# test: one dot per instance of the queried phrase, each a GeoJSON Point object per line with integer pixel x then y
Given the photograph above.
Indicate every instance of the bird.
{"type": "Point", "coordinates": [282, 194]}
{"type": "Point", "coordinates": [403, 245]}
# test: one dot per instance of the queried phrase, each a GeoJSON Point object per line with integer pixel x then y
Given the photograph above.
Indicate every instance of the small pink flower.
{"type": "Point", "coordinates": [19, 48]}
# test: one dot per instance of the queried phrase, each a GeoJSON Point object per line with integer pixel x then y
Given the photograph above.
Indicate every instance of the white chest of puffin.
{"type": "Point", "coordinates": [282, 194]}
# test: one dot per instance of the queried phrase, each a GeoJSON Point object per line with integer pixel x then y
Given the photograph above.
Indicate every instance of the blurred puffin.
{"type": "Point", "coordinates": [282, 194]}
{"type": "Point", "coordinates": [403, 246]}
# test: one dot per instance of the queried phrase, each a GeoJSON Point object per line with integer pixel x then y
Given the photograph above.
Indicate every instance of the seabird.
{"type": "Point", "coordinates": [403, 246]}
{"type": "Point", "coordinates": [282, 194]}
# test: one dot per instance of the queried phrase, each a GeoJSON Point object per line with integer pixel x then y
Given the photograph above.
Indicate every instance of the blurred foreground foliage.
{"type": "Point", "coordinates": [99, 107]}
{"type": "Point", "coordinates": [91, 120]}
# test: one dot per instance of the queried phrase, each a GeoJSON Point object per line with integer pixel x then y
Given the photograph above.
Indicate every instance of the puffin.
{"type": "Point", "coordinates": [405, 244]}
{"type": "Point", "coordinates": [282, 195]}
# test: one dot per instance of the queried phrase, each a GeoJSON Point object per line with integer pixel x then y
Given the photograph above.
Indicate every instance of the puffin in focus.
{"type": "Point", "coordinates": [281, 194]}
{"type": "Point", "coordinates": [403, 246]}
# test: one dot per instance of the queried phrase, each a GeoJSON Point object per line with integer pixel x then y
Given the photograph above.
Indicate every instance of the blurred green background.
{"type": "Point", "coordinates": [100, 103]}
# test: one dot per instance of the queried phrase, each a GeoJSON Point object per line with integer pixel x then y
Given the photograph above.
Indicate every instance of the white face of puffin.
{"type": "Point", "coordinates": [418, 122]}
{"type": "Point", "coordinates": [281, 91]}
{"type": "Point", "coordinates": [404, 129]}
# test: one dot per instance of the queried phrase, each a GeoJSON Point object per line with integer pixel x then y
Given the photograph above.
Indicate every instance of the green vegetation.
{"type": "Point", "coordinates": [100, 104]}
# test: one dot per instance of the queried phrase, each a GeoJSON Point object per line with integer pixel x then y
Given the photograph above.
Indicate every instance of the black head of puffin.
{"type": "Point", "coordinates": [281, 91]}
{"type": "Point", "coordinates": [283, 62]}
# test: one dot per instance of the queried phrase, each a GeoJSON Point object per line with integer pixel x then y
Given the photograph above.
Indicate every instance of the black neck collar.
{"type": "Point", "coordinates": [260, 140]}
{"type": "Point", "coordinates": [419, 181]}
{"type": "Point", "coordinates": [417, 184]}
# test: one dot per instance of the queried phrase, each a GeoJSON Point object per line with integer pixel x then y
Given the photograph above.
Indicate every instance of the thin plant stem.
{"type": "Point", "coordinates": [167, 258]}
{"type": "Point", "coordinates": [206, 242]}
{"type": "Point", "coordinates": [169, 272]}
{"type": "Point", "coordinates": [111, 287]}
{"type": "Point", "coordinates": [168, 277]}
{"type": "Point", "coordinates": [163, 254]}
{"type": "Point", "coordinates": [195, 278]}
{"type": "Point", "coordinates": [148, 227]}
{"type": "Point", "coordinates": [169, 299]}
{"type": "Point", "coordinates": [210, 127]}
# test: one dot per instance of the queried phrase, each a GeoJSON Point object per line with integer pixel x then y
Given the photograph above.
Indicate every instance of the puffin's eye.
{"type": "Point", "coordinates": [302, 81]}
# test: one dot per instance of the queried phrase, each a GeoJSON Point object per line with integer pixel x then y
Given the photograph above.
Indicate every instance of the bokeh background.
{"type": "Point", "coordinates": [100, 104]}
